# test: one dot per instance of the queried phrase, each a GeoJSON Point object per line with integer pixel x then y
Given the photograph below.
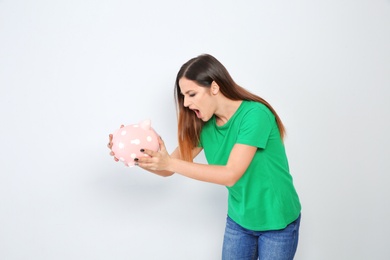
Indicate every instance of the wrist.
{"type": "Point", "coordinates": [171, 165]}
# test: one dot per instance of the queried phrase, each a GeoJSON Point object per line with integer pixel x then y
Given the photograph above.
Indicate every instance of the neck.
{"type": "Point", "coordinates": [226, 110]}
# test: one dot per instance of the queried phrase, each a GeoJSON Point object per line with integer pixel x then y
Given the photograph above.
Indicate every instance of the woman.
{"type": "Point", "coordinates": [242, 138]}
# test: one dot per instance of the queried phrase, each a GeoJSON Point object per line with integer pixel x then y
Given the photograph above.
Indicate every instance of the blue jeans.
{"type": "Point", "coordinates": [244, 244]}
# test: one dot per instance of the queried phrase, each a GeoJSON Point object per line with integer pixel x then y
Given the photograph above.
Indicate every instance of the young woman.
{"type": "Point", "coordinates": [242, 138]}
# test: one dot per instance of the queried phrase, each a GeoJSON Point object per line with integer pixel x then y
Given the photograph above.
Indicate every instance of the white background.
{"type": "Point", "coordinates": [72, 71]}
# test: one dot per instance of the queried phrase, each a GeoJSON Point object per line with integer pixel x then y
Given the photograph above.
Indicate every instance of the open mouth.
{"type": "Point", "coordinates": [197, 112]}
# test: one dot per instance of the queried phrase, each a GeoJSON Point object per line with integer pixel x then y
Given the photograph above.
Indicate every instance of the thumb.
{"type": "Point", "coordinates": [161, 143]}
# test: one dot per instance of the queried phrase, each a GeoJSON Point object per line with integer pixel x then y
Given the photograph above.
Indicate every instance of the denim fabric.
{"type": "Point", "coordinates": [244, 244]}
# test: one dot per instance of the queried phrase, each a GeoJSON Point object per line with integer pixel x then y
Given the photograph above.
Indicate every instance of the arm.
{"type": "Point", "coordinates": [239, 160]}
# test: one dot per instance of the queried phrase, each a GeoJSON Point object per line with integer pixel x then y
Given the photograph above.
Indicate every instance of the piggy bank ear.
{"type": "Point", "coordinates": [146, 124]}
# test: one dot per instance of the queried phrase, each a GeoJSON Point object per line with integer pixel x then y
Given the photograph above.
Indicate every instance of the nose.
{"type": "Point", "coordinates": [185, 102]}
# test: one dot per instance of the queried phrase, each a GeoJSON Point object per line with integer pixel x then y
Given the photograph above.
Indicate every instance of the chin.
{"type": "Point", "coordinates": [205, 119]}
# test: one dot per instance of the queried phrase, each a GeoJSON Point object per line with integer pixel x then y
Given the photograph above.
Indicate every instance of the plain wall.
{"type": "Point", "coordinates": [72, 71]}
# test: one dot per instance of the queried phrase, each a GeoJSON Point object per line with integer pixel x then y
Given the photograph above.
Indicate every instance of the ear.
{"type": "Point", "coordinates": [214, 88]}
{"type": "Point", "coordinates": [145, 124]}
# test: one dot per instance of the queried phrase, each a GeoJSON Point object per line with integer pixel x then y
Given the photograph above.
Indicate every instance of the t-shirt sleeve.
{"type": "Point", "coordinates": [256, 128]}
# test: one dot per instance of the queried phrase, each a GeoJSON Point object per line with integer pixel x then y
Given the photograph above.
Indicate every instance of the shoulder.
{"type": "Point", "coordinates": [256, 109]}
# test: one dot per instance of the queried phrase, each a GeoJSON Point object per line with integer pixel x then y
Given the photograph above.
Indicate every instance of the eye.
{"type": "Point", "coordinates": [192, 95]}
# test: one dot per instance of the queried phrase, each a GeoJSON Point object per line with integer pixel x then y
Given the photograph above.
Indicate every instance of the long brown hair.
{"type": "Point", "coordinates": [205, 69]}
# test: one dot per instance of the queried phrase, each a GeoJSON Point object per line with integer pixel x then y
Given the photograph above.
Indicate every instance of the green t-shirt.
{"type": "Point", "coordinates": [264, 198]}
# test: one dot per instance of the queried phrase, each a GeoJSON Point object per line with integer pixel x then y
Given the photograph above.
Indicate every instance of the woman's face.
{"type": "Point", "coordinates": [197, 98]}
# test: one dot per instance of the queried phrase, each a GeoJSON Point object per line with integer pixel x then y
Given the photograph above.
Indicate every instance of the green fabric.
{"type": "Point", "coordinates": [264, 198]}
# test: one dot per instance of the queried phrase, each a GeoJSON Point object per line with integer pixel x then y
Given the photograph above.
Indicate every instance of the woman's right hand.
{"type": "Point", "coordinates": [109, 145]}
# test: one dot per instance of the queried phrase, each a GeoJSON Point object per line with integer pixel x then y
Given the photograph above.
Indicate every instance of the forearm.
{"type": "Point", "coordinates": [162, 164]}
{"type": "Point", "coordinates": [161, 173]}
{"type": "Point", "coordinates": [209, 173]}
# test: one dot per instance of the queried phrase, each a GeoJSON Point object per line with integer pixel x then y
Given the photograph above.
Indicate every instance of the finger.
{"type": "Point", "coordinates": [109, 145]}
{"type": "Point", "coordinates": [149, 152]}
{"type": "Point", "coordinates": [144, 160]}
{"type": "Point", "coordinates": [161, 143]}
{"type": "Point", "coordinates": [146, 166]}
{"type": "Point", "coordinates": [142, 166]}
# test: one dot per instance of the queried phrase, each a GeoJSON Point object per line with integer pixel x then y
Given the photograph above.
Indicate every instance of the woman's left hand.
{"type": "Point", "coordinates": [158, 161]}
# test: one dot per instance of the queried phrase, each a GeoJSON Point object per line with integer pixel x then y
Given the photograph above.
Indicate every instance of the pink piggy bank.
{"type": "Point", "coordinates": [128, 140]}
